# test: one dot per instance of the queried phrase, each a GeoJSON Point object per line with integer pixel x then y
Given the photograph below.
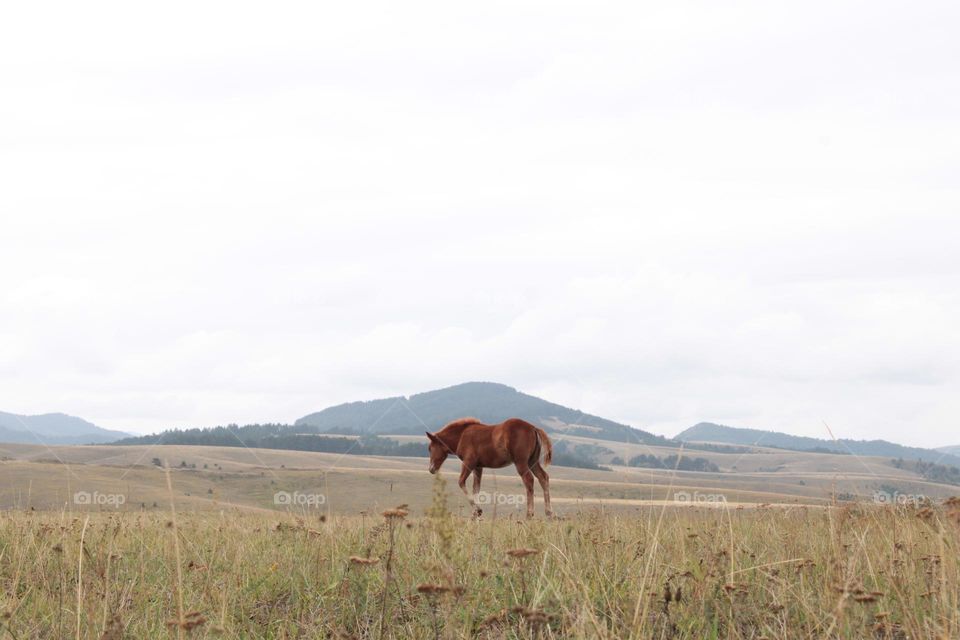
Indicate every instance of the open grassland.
{"type": "Point", "coordinates": [213, 478]}
{"type": "Point", "coordinates": [660, 572]}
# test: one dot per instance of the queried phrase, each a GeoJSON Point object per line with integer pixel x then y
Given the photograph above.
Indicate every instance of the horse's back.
{"type": "Point", "coordinates": [498, 445]}
{"type": "Point", "coordinates": [516, 424]}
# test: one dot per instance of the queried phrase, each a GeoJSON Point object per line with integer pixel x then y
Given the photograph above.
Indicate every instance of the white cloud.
{"type": "Point", "coordinates": [228, 212]}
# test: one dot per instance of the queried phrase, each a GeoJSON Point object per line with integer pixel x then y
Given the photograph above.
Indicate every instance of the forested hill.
{"type": "Point", "coordinates": [306, 438]}
{"type": "Point", "coordinates": [709, 432]}
{"type": "Point", "coordinates": [53, 428]}
{"type": "Point", "coordinates": [488, 401]}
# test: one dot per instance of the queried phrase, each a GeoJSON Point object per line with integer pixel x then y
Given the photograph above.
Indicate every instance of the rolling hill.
{"type": "Point", "coordinates": [53, 428]}
{"type": "Point", "coordinates": [217, 477]}
{"type": "Point", "coordinates": [242, 467]}
{"type": "Point", "coordinates": [488, 401]}
{"type": "Point", "coordinates": [395, 426]}
{"type": "Point", "coordinates": [710, 432]}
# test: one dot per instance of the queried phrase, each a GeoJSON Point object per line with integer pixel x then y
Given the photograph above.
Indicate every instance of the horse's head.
{"type": "Point", "coordinates": [438, 452]}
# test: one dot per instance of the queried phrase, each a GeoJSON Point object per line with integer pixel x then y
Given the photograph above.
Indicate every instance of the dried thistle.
{"type": "Point", "coordinates": [190, 621]}
{"type": "Point", "coordinates": [432, 589]}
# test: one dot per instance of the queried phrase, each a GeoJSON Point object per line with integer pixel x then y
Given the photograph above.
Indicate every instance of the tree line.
{"type": "Point", "coordinates": [303, 438]}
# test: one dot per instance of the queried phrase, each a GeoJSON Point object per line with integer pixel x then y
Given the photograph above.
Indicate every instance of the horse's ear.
{"type": "Point", "coordinates": [431, 436]}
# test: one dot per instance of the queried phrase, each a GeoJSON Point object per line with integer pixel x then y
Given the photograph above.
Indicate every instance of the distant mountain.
{"type": "Point", "coordinates": [487, 401]}
{"type": "Point", "coordinates": [53, 428]}
{"type": "Point", "coordinates": [709, 432]}
{"type": "Point", "coordinates": [953, 450]}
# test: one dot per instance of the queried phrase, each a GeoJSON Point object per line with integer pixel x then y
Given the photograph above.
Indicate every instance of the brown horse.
{"type": "Point", "coordinates": [482, 446]}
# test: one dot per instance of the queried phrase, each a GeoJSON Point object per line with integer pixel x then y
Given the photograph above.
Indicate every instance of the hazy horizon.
{"type": "Point", "coordinates": [826, 435]}
{"type": "Point", "coordinates": [657, 214]}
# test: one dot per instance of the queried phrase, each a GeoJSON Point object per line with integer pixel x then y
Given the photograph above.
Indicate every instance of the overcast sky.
{"type": "Point", "coordinates": [659, 213]}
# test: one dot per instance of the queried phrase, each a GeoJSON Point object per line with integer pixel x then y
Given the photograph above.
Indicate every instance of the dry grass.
{"type": "Point", "coordinates": [224, 477]}
{"type": "Point", "coordinates": [852, 572]}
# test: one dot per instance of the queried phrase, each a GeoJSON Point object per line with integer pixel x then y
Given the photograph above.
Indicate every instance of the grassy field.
{"type": "Point", "coordinates": [660, 572]}
{"type": "Point", "coordinates": [212, 478]}
{"type": "Point", "coordinates": [776, 545]}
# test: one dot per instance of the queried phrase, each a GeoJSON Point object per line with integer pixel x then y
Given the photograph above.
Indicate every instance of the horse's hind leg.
{"type": "Point", "coordinates": [527, 476]}
{"type": "Point", "coordinates": [544, 479]}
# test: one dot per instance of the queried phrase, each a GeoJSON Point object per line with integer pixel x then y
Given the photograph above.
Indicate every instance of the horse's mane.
{"type": "Point", "coordinates": [459, 423]}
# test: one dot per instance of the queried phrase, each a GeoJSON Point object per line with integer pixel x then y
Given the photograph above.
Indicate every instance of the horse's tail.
{"type": "Point", "coordinates": [547, 445]}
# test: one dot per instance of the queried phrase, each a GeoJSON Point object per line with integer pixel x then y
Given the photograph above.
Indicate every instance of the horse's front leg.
{"type": "Point", "coordinates": [477, 474]}
{"type": "Point", "coordinates": [465, 470]}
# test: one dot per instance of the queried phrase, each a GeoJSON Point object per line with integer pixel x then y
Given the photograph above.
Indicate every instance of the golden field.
{"type": "Point", "coordinates": [844, 572]}
{"type": "Point", "coordinates": [387, 551]}
{"type": "Point", "coordinates": [211, 478]}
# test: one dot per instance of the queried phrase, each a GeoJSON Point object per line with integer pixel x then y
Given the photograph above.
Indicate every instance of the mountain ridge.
{"type": "Point", "coordinates": [712, 432]}
{"type": "Point", "coordinates": [53, 428]}
{"type": "Point", "coordinates": [489, 402]}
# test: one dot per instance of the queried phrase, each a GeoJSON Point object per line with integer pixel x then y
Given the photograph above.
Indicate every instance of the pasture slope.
{"type": "Point", "coordinates": [242, 543]}
{"type": "Point", "coordinates": [857, 571]}
{"type": "Point", "coordinates": [42, 477]}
